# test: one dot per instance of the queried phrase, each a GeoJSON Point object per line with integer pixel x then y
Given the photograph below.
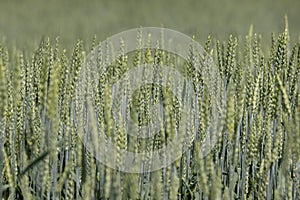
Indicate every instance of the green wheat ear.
{"type": "Point", "coordinates": [2, 84]}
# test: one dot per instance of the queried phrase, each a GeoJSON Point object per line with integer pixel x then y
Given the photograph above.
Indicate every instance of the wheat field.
{"type": "Point", "coordinates": [257, 154]}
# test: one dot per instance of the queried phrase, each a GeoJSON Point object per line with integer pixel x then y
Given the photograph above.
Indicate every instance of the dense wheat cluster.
{"type": "Point", "coordinates": [257, 155]}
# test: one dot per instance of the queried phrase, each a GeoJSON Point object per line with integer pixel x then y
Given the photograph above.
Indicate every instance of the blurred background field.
{"type": "Point", "coordinates": [23, 22]}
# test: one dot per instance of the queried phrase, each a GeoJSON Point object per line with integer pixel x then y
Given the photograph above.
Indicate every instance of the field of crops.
{"type": "Point", "coordinates": [256, 156]}
{"type": "Point", "coordinates": [141, 116]}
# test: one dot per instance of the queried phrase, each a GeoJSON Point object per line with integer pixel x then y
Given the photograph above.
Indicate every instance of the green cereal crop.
{"type": "Point", "coordinates": [256, 157]}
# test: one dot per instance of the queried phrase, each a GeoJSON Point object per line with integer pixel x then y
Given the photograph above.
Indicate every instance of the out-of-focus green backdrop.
{"type": "Point", "coordinates": [26, 21]}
